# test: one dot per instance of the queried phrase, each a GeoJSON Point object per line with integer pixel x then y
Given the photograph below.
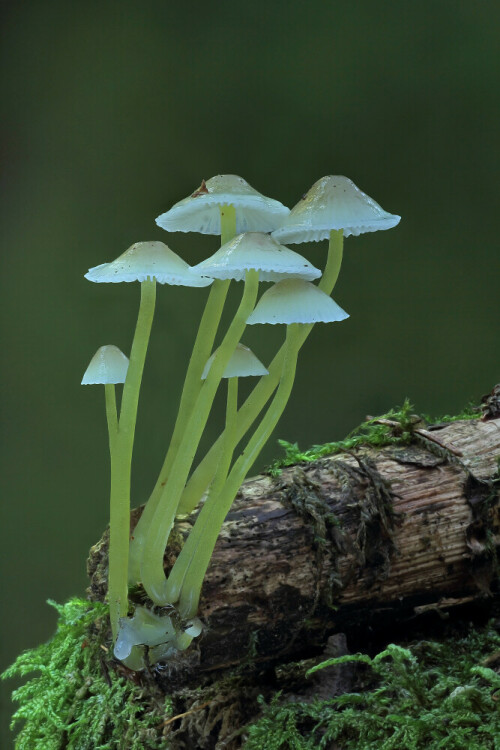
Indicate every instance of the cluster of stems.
{"type": "Point", "coordinates": [179, 489]}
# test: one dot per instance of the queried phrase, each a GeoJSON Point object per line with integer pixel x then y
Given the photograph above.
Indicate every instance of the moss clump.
{"type": "Point", "coordinates": [372, 432]}
{"type": "Point", "coordinates": [76, 701]}
{"type": "Point", "coordinates": [429, 695]}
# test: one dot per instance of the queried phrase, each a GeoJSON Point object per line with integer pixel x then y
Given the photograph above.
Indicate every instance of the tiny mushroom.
{"type": "Point", "coordinates": [332, 209]}
{"type": "Point", "coordinates": [333, 203]}
{"type": "Point", "coordinates": [258, 251]}
{"type": "Point", "coordinates": [146, 262]}
{"type": "Point", "coordinates": [109, 365]}
{"type": "Point", "coordinates": [242, 363]}
{"type": "Point", "coordinates": [200, 211]}
{"type": "Point", "coordinates": [296, 301]}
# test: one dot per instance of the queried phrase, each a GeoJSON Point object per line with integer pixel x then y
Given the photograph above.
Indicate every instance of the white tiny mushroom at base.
{"type": "Point", "coordinates": [109, 365]}
{"type": "Point", "coordinates": [147, 629]}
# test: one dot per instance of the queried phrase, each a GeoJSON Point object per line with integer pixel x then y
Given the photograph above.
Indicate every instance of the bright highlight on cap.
{"type": "Point", "coordinates": [108, 365]}
{"type": "Point", "coordinates": [296, 301]}
{"type": "Point", "coordinates": [258, 251]}
{"type": "Point", "coordinates": [147, 260]}
{"type": "Point", "coordinates": [333, 202]}
{"type": "Point", "coordinates": [199, 212]}
{"type": "Point", "coordinates": [242, 363]}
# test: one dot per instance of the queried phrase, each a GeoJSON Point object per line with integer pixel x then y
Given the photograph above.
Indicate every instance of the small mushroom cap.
{"type": "Point", "coordinates": [258, 251]}
{"type": "Point", "coordinates": [333, 202]}
{"type": "Point", "coordinates": [147, 260]}
{"type": "Point", "coordinates": [242, 363]}
{"type": "Point", "coordinates": [296, 301]}
{"type": "Point", "coordinates": [108, 365]}
{"type": "Point", "coordinates": [199, 212]}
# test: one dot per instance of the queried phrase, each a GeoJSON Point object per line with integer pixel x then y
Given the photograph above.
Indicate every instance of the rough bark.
{"type": "Point", "coordinates": [350, 538]}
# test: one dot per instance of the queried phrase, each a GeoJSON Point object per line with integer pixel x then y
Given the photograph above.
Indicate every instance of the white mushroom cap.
{"type": "Point", "coordinates": [147, 260]}
{"type": "Point", "coordinates": [333, 202]}
{"type": "Point", "coordinates": [258, 251]}
{"type": "Point", "coordinates": [199, 212]}
{"type": "Point", "coordinates": [108, 365]}
{"type": "Point", "coordinates": [296, 301]}
{"type": "Point", "coordinates": [242, 363]}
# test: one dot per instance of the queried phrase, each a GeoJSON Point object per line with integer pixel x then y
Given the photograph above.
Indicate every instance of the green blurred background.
{"type": "Point", "coordinates": [113, 111]}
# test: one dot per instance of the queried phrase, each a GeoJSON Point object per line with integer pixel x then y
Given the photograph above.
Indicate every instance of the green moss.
{"type": "Point", "coordinates": [369, 433]}
{"type": "Point", "coordinates": [426, 695]}
{"type": "Point", "coordinates": [429, 695]}
{"type": "Point", "coordinates": [75, 701]}
{"type": "Point", "coordinates": [471, 411]}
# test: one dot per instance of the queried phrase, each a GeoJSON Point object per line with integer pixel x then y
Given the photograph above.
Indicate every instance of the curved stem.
{"type": "Point", "coordinates": [192, 385]}
{"type": "Point", "coordinates": [196, 553]}
{"type": "Point", "coordinates": [121, 460]}
{"type": "Point", "coordinates": [203, 474]}
{"type": "Point", "coordinates": [201, 352]}
{"type": "Point", "coordinates": [178, 573]}
{"type": "Point", "coordinates": [202, 349]}
{"type": "Point", "coordinates": [152, 574]}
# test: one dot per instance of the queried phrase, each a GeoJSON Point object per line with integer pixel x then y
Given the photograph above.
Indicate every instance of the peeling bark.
{"type": "Point", "coordinates": [386, 533]}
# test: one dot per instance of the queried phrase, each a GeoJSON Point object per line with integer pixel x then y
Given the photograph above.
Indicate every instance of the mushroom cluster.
{"type": "Point", "coordinates": [253, 229]}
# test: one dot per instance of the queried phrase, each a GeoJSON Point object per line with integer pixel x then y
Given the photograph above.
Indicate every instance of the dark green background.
{"type": "Point", "coordinates": [112, 111]}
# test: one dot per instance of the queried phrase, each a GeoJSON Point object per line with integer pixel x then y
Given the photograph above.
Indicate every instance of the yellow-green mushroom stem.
{"type": "Point", "coordinates": [197, 551]}
{"type": "Point", "coordinates": [251, 408]}
{"type": "Point", "coordinates": [111, 414]}
{"type": "Point", "coordinates": [202, 348]}
{"type": "Point", "coordinates": [176, 577]}
{"type": "Point", "coordinates": [121, 460]}
{"type": "Point", "coordinates": [152, 575]}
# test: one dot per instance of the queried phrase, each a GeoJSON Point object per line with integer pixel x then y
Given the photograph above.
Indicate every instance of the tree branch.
{"type": "Point", "coordinates": [368, 536]}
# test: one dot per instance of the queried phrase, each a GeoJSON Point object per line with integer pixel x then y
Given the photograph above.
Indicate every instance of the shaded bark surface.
{"type": "Point", "coordinates": [371, 536]}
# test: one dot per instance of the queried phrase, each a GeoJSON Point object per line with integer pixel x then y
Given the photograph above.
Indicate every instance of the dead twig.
{"type": "Point", "coordinates": [186, 713]}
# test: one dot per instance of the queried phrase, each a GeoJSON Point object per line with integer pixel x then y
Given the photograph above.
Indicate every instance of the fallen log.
{"type": "Point", "coordinates": [368, 536]}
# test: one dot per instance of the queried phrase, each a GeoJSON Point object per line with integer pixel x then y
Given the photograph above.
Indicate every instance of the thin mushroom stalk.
{"type": "Point", "coordinates": [192, 384]}
{"type": "Point", "coordinates": [202, 347]}
{"type": "Point", "coordinates": [111, 414]}
{"type": "Point", "coordinates": [177, 576]}
{"type": "Point", "coordinates": [152, 575]}
{"type": "Point", "coordinates": [121, 461]}
{"type": "Point", "coordinates": [193, 560]}
{"type": "Point", "coordinates": [256, 401]}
